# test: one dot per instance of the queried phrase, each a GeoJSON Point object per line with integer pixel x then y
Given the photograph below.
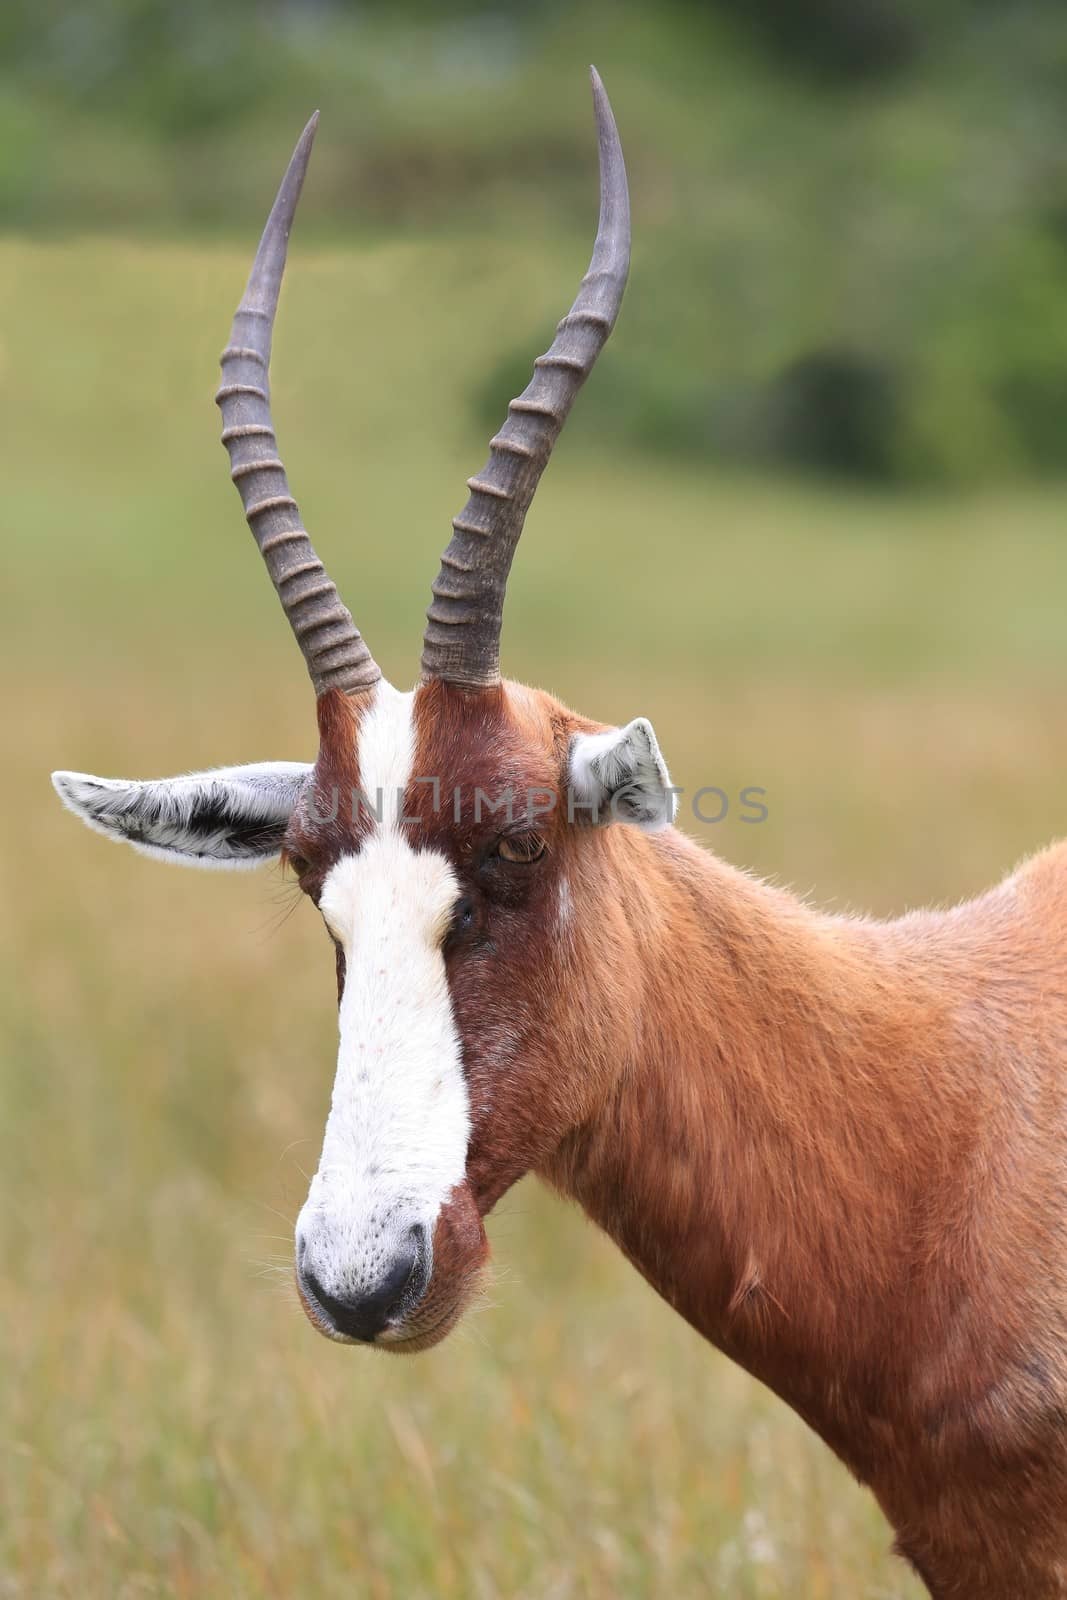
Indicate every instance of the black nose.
{"type": "Point", "coordinates": [364, 1314]}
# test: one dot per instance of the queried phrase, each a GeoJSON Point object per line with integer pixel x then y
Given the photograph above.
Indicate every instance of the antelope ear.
{"type": "Point", "coordinates": [229, 817]}
{"type": "Point", "coordinates": [620, 776]}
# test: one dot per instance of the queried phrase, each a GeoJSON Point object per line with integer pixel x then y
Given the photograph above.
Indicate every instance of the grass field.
{"type": "Point", "coordinates": [893, 673]}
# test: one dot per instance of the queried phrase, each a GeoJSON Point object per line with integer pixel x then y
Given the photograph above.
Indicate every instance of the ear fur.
{"type": "Point", "coordinates": [228, 817]}
{"type": "Point", "coordinates": [620, 776]}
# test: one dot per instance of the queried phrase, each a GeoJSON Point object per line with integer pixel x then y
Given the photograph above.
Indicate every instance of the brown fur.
{"type": "Point", "coordinates": [837, 1147]}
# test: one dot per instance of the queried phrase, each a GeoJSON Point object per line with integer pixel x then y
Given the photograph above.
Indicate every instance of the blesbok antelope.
{"type": "Point", "coordinates": [838, 1147]}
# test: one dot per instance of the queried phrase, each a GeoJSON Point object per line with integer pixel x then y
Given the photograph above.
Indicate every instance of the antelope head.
{"type": "Point", "coordinates": [456, 840]}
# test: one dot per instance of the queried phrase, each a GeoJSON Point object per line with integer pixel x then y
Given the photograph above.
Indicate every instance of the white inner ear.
{"type": "Point", "coordinates": [228, 817]}
{"type": "Point", "coordinates": [621, 776]}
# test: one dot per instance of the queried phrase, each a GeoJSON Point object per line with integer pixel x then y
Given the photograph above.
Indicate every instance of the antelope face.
{"type": "Point", "coordinates": [453, 840]}
{"type": "Point", "coordinates": [457, 845]}
{"type": "Point", "coordinates": [447, 838]}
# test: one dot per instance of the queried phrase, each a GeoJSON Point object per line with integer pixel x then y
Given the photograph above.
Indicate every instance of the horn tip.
{"type": "Point", "coordinates": [307, 138]}
{"type": "Point", "coordinates": [601, 104]}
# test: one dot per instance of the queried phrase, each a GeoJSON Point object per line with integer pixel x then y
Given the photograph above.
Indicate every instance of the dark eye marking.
{"type": "Point", "coordinates": [296, 863]}
{"type": "Point", "coordinates": [467, 927]}
{"type": "Point", "coordinates": [464, 915]}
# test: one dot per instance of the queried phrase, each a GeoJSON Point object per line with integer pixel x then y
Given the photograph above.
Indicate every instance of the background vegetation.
{"type": "Point", "coordinates": [852, 251]}
{"type": "Point", "coordinates": [849, 257]}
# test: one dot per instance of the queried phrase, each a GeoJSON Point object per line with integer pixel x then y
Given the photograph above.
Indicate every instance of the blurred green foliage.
{"type": "Point", "coordinates": [851, 215]}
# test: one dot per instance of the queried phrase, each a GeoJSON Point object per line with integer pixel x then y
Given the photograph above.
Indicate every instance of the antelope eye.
{"type": "Point", "coordinates": [297, 864]}
{"type": "Point", "coordinates": [524, 848]}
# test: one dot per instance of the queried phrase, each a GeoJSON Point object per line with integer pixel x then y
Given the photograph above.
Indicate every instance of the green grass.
{"type": "Point", "coordinates": [892, 671]}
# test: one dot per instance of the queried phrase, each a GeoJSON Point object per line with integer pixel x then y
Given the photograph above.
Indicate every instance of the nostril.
{"type": "Point", "coordinates": [312, 1287]}
{"type": "Point", "coordinates": [391, 1289]}
{"type": "Point", "coordinates": [422, 1240]}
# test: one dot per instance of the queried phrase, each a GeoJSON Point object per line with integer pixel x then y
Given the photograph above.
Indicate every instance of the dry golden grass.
{"type": "Point", "coordinates": [892, 673]}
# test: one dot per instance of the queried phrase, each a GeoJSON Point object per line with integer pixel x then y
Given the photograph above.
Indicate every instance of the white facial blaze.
{"type": "Point", "coordinates": [396, 1138]}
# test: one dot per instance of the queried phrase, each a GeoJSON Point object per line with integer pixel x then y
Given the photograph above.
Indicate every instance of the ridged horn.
{"type": "Point", "coordinates": [336, 655]}
{"type": "Point", "coordinates": [462, 639]}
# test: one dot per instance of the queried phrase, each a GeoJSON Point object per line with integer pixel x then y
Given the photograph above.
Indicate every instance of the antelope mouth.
{"type": "Point", "coordinates": [425, 1327]}
{"type": "Point", "coordinates": [422, 1333]}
